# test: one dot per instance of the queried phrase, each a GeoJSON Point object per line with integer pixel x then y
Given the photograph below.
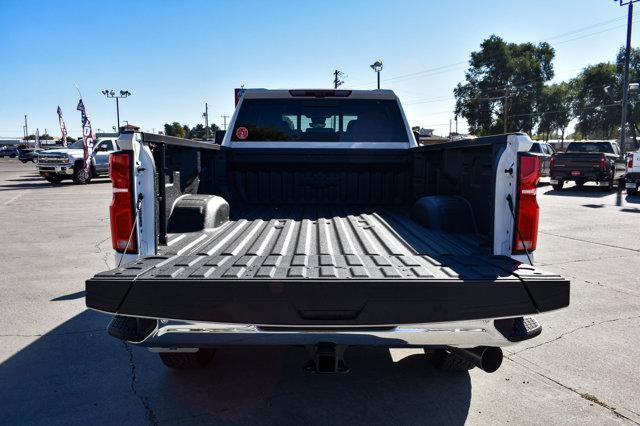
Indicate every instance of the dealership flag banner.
{"type": "Point", "coordinates": [87, 136]}
{"type": "Point", "coordinates": [63, 127]}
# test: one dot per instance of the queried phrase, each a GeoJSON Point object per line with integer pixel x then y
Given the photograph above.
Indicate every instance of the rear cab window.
{"type": "Point", "coordinates": [311, 119]}
{"type": "Point", "coordinates": [535, 147]}
{"type": "Point", "coordinates": [595, 147]}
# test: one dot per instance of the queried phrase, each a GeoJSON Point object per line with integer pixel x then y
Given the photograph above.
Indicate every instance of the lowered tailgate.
{"type": "Point", "coordinates": [313, 266]}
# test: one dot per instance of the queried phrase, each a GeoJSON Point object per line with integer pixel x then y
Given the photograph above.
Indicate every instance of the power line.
{"type": "Point", "coordinates": [594, 33]}
{"type": "Point", "coordinates": [492, 89]}
{"type": "Point", "coordinates": [587, 27]}
{"type": "Point", "coordinates": [444, 68]}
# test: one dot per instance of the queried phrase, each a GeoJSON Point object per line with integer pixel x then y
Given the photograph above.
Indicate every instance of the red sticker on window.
{"type": "Point", "coordinates": [242, 132]}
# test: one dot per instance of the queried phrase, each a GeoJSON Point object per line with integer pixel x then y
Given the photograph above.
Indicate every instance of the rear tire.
{"type": "Point", "coordinates": [447, 361]}
{"type": "Point", "coordinates": [80, 177]}
{"type": "Point", "coordinates": [558, 186]}
{"type": "Point", "coordinates": [23, 161]}
{"type": "Point", "coordinates": [187, 360]}
{"type": "Point", "coordinates": [610, 185]}
{"type": "Point", "coordinates": [53, 179]}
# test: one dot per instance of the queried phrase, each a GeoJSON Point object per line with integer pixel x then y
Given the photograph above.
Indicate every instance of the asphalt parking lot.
{"type": "Point", "coordinates": [58, 366]}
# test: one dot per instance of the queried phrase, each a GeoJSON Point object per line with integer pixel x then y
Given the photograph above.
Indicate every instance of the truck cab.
{"type": "Point", "coordinates": [56, 165]}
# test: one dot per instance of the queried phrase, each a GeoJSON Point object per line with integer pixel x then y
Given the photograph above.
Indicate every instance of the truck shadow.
{"type": "Point", "coordinates": [633, 199]}
{"type": "Point", "coordinates": [78, 374]}
{"type": "Point", "coordinates": [585, 191]}
{"type": "Point", "coordinates": [40, 183]}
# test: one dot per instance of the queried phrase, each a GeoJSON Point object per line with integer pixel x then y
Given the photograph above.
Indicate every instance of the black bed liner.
{"type": "Point", "coordinates": [338, 265]}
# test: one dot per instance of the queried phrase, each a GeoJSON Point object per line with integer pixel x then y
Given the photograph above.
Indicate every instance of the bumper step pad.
{"type": "Point", "coordinates": [518, 329]}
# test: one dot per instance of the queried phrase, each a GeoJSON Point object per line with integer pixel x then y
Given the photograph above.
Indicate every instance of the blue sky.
{"type": "Point", "coordinates": [176, 55]}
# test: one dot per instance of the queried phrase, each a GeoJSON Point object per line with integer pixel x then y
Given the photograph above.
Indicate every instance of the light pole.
{"type": "Point", "coordinates": [625, 82]}
{"type": "Point", "coordinates": [112, 94]}
{"type": "Point", "coordinates": [377, 67]}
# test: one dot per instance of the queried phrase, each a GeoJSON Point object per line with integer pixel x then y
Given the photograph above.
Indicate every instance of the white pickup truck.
{"type": "Point", "coordinates": [633, 173]}
{"type": "Point", "coordinates": [55, 165]}
{"type": "Point", "coordinates": [319, 222]}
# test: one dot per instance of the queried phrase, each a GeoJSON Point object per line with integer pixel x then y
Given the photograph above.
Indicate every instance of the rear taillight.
{"type": "Point", "coordinates": [528, 212]}
{"type": "Point", "coordinates": [603, 161]}
{"type": "Point", "coordinates": [630, 160]}
{"type": "Point", "coordinates": [552, 161]}
{"type": "Point", "coordinates": [121, 208]}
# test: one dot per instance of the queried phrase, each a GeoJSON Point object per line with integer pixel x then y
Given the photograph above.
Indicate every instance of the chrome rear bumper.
{"type": "Point", "coordinates": [186, 335]}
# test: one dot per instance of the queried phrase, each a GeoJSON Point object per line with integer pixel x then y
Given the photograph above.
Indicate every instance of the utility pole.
{"type": "Point", "coordinates": [26, 127]}
{"type": "Point", "coordinates": [224, 124]}
{"type": "Point", "coordinates": [450, 135]}
{"type": "Point", "coordinates": [206, 120]}
{"type": "Point", "coordinates": [625, 83]}
{"type": "Point", "coordinates": [336, 79]}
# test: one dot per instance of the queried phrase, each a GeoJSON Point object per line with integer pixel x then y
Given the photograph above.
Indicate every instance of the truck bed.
{"type": "Point", "coordinates": [342, 265]}
{"type": "Point", "coordinates": [323, 243]}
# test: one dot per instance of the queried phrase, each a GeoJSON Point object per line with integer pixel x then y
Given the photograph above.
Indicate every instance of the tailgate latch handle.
{"type": "Point", "coordinates": [509, 170]}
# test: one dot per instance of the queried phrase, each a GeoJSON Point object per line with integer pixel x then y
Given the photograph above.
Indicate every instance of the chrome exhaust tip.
{"type": "Point", "coordinates": [486, 358]}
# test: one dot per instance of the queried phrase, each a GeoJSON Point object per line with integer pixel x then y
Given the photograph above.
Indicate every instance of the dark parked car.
{"type": "Point", "coordinates": [589, 161]}
{"type": "Point", "coordinates": [543, 151]}
{"type": "Point", "coordinates": [9, 151]}
{"type": "Point", "coordinates": [28, 154]}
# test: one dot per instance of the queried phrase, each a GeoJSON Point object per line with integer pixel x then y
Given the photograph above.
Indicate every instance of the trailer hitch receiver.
{"type": "Point", "coordinates": [326, 358]}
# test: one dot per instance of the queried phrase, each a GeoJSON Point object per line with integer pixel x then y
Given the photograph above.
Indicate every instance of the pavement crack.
{"type": "Point", "coordinates": [97, 245]}
{"type": "Point", "coordinates": [589, 259]}
{"type": "Point", "coordinates": [151, 415]}
{"type": "Point", "coordinates": [590, 242]}
{"type": "Point", "coordinates": [599, 284]}
{"type": "Point", "coordinates": [106, 254]}
{"type": "Point", "coordinates": [593, 324]}
{"type": "Point", "coordinates": [584, 395]}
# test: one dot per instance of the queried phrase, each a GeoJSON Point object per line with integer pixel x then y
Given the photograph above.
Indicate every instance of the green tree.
{"type": "Point", "coordinates": [175, 129]}
{"type": "Point", "coordinates": [197, 132]}
{"type": "Point", "coordinates": [554, 109]}
{"type": "Point", "coordinates": [499, 69]}
{"type": "Point", "coordinates": [598, 117]}
{"type": "Point", "coordinates": [184, 131]}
